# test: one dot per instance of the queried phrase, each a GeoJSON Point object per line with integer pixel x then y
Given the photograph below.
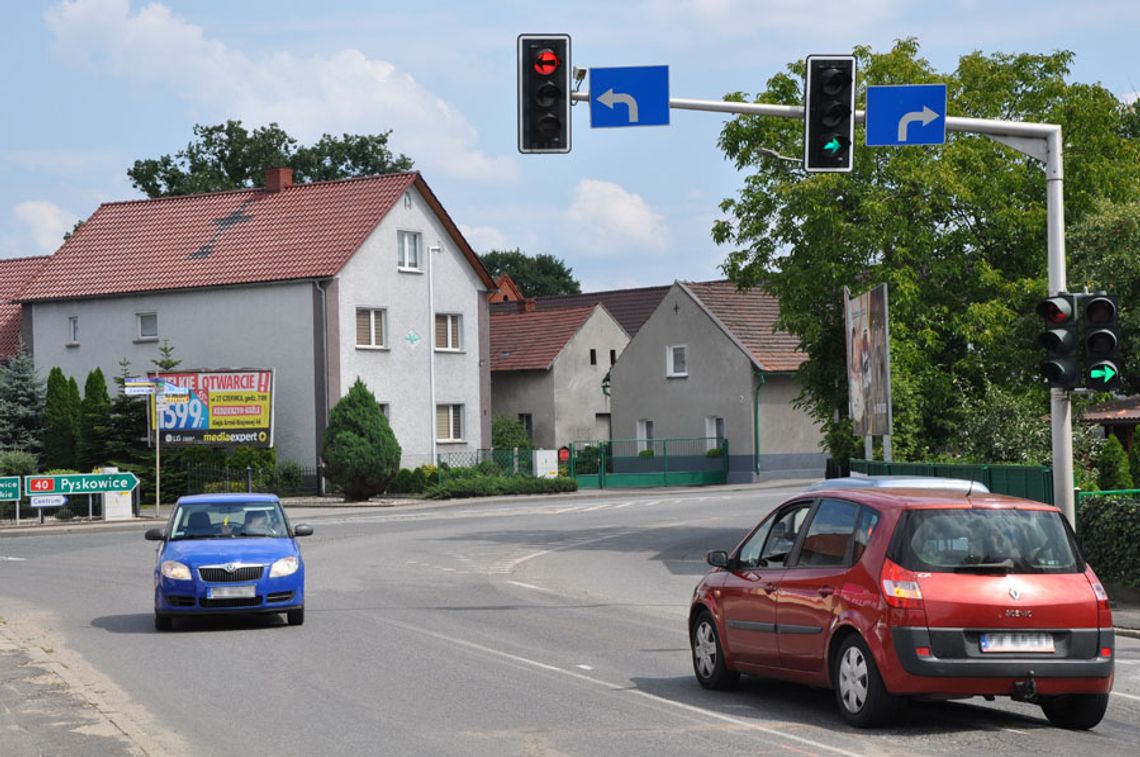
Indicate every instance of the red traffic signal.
{"type": "Point", "coordinates": [1061, 367]}
{"type": "Point", "coordinates": [544, 93]}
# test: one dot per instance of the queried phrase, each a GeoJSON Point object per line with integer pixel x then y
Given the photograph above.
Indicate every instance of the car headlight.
{"type": "Point", "coordinates": [286, 566]}
{"type": "Point", "coordinates": [175, 571]}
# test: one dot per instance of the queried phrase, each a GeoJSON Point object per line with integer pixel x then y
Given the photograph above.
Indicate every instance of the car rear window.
{"type": "Point", "coordinates": [985, 540]}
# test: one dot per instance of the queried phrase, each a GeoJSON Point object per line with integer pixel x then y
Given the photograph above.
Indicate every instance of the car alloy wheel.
{"type": "Point", "coordinates": [708, 656]}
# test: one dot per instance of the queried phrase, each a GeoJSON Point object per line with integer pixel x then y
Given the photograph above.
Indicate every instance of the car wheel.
{"type": "Point", "coordinates": [1077, 712]}
{"type": "Point", "coordinates": [163, 622]}
{"type": "Point", "coordinates": [863, 700]}
{"type": "Point", "coordinates": [296, 617]}
{"type": "Point", "coordinates": [708, 655]}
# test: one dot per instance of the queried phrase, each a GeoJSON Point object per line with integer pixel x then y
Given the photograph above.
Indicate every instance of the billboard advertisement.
{"type": "Point", "coordinates": [219, 408]}
{"type": "Point", "coordinates": [868, 362]}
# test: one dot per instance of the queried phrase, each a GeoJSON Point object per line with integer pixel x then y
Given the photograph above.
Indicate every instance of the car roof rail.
{"type": "Point", "coordinates": [901, 482]}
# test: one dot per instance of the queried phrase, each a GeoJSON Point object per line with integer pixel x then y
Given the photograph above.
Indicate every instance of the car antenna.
{"type": "Point", "coordinates": [970, 490]}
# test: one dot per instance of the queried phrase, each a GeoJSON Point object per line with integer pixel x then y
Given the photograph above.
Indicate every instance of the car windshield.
{"type": "Point", "coordinates": [986, 541]}
{"type": "Point", "coordinates": [221, 520]}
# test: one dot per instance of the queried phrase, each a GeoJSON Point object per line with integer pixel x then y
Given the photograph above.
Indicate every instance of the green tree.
{"type": "Point", "coordinates": [21, 405]}
{"type": "Point", "coordinates": [509, 433]}
{"type": "Point", "coordinates": [94, 415]}
{"type": "Point", "coordinates": [1112, 466]}
{"type": "Point", "coordinates": [538, 276]}
{"type": "Point", "coordinates": [61, 422]}
{"type": "Point", "coordinates": [360, 453]}
{"type": "Point", "coordinates": [957, 232]}
{"type": "Point", "coordinates": [229, 156]}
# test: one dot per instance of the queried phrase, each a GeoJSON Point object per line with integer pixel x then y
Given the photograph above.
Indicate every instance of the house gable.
{"type": "Point", "coordinates": [15, 275]}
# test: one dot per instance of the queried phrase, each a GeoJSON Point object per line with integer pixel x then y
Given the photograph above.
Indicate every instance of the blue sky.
{"type": "Point", "coordinates": [93, 85]}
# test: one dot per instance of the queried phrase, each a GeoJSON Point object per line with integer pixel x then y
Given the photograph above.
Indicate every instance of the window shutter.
{"type": "Point", "coordinates": [363, 327]}
{"type": "Point", "coordinates": [441, 332]}
{"type": "Point", "coordinates": [457, 422]}
{"type": "Point", "coordinates": [454, 322]}
{"type": "Point", "coordinates": [442, 421]}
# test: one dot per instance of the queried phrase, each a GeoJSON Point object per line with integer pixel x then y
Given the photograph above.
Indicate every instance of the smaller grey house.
{"type": "Point", "coordinates": [548, 369]}
{"type": "Point", "coordinates": [709, 363]}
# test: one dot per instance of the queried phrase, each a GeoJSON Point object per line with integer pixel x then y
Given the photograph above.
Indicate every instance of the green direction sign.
{"type": "Point", "coordinates": [9, 488]}
{"type": "Point", "coordinates": [81, 483]}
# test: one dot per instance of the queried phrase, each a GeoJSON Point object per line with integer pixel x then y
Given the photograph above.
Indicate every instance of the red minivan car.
{"type": "Point", "coordinates": [883, 593]}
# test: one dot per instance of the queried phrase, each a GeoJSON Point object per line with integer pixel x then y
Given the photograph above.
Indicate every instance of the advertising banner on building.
{"type": "Point", "coordinates": [869, 362]}
{"type": "Point", "coordinates": [219, 408]}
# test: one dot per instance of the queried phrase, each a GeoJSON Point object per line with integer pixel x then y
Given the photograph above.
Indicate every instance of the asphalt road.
{"type": "Point", "coordinates": [538, 626]}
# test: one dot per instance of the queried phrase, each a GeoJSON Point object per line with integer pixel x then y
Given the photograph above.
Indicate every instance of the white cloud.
{"type": "Point", "coordinates": [44, 223]}
{"type": "Point", "coordinates": [604, 217]}
{"type": "Point", "coordinates": [308, 96]}
{"type": "Point", "coordinates": [483, 238]}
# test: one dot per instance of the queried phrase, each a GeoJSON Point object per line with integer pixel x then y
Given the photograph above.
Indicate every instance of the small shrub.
{"type": "Point", "coordinates": [64, 513]}
{"type": "Point", "coordinates": [225, 487]}
{"type": "Point", "coordinates": [16, 463]}
{"type": "Point", "coordinates": [290, 478]}
{"type": "Point", "coordinates": [1112, 466]}
{"type": "Point", "coordinates": [645, 453]}
{"type": "Point", "coordinates": [491, 486]}
{"type": "Point", "coordinates": [402, 483]}
{"type": "Point", "coordinates": [715, 452]}
{"type": "Point", "coordinates": [418, 481]}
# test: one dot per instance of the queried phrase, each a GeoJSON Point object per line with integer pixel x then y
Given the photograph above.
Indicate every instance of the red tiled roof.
{"type": "Point", "coordinates": [15, 274]}
{"type": "Point", "coordinates": [1123, 411]}
{"type": "Point", "coordinates": [532, 340]}
{"type": "Point", "coordinates": [629, 307]}
{"type": "Point", "coordinates": [751, 317]}
{"type": "Point", "coordinates": [226, 238]}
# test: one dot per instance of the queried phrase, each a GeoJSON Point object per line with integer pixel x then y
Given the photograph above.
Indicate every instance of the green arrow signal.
{"type": "Point", "coordinates": [833, 146]}
{"type": "Point", "coordinates": [1106, 373]}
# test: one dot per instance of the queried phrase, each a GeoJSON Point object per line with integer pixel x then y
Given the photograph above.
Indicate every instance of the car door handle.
{"type": "Point", "coordinates": [826, 591]}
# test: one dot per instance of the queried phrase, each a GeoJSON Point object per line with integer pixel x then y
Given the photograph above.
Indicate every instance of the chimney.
{"type": "Point", "coordinates": [527, 305]}
{"type": "Point", "coordinates": [277, 179]}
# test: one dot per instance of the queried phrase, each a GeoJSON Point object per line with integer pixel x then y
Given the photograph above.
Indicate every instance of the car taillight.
{"type": "Point", "coordinates": [900, 586]}
{"type": "Point", "coordinates": [1103, 608]}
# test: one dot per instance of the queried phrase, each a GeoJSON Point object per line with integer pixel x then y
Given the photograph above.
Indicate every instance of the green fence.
{"type": "Point", "coordinates": [489, 461]}
{"type": "Point", "coordinates": [1028, 481]}
{"type": "Point", "coordinates": [1082, 495]}
{"type": "Point", "coordinates": [635, 463]}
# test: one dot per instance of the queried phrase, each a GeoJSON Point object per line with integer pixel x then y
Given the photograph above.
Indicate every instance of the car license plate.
{"type": "Point", "coordinates": [231, 592]}
{"type": "Point", "coordinates": [1017, 642]}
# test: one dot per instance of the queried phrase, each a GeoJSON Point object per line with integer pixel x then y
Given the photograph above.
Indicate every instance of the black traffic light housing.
{"type": "Point", "coordinates": [544, 93]}
{"type": "Point", "coordinates": [1060, 340]}
{"type": "Point", "coordinates": [829, 113]}
{"type": "Point", "coordinates": [1102, 361]}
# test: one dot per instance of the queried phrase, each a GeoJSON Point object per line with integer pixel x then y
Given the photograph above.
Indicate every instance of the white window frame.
{"type": "Point", "coordinates": [73, 331]}
{"type": "Point", "coordinates": [454, 330]}
{"type": "Point", "coordinates": [372, 344]}
{"type": "Point", "coordinates": [454, 419]}
{"type": "Point", "coordinates": [139, 319]}
{"type": "Point", "coordinates": [409, 257]}
{"type": "Point", "coordinates": [527, 421]}
{"type": "Point", "coordinates": [671, 361]}
{"type": "Point", "coordinates": [644, 434]}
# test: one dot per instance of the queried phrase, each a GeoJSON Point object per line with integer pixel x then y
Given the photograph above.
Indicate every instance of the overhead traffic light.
{"type": "Point", "coordinates": [544, 93]}
{"type": "Point", "coordinates": [829, 113]}
{"type": "Point", "coordinates": [1102, 342]}
{"type": "Point", "coordinates": [1060, 340]}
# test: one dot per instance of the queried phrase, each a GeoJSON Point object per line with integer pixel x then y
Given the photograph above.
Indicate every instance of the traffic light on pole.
{"type": "Point", "coordinates": [829, 113]}
{"type": "Point", "coordinates": [544, 93]}
{"type": "Point", "coordinates": [1060, 340]}
{"type": "Point", "coordinates": [1102, 342]}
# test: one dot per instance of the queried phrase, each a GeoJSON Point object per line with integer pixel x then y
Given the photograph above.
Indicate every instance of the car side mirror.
{"type": "Point", "coordinates": [717, 558]}
{"type": "Point", "coordinates": [302, 530]}
{"type": "Point", "coordinates": [154, 534]}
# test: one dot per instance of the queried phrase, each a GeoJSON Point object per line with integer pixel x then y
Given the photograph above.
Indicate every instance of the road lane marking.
{"type": "Point", "coordinates": [616, 688]}
{"type": "Point", "coordinates": [1126, 696]}
{"type": "Point", "coordinates": [532, 587]}
{"type": "Point", "coordinates": [13, 559]}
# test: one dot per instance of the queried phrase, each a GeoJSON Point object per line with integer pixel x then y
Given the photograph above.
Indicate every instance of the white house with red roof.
{"type": "Point", "coordinates": [549, 368]}
{"type": "Point", "coordinates": [322, 283]}
{"type": "Point", "coordinates": [709, 363]}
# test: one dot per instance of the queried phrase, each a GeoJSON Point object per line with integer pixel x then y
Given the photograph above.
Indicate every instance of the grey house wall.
{"type": "Point", "coordinates": [578, 396]}
{"type": "Point", "coordinates": [266, 326]}
{"type": "Point", "coordinates": [564, 401]}
{"type": "Point", "coordinates": [722, 381]}
{"type": "Point", "coordinates": [409, 374]}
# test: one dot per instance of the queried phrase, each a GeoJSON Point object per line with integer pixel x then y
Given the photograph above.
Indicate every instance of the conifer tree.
{"type": "Point", "coordinates": [61, 422]}
{"type": "Point", "coordinates": [95, 414]}
{"type": "Point", "coordinates": [360, 453]}
{"type": "Point", "coordinates": [21, 405]}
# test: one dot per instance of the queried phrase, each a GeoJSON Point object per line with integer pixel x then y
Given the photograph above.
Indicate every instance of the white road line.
{"type": "Point", "coordinates": [622, 688]}
{"type": "Point", "coordinates": [13, 559]}
{"type": "Point", "coordinates": [1126, 696]}
{"type": "Point", "coordinates": [532, 587]}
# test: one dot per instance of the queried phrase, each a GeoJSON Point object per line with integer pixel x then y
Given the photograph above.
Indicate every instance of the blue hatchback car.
{"type": "Point", "coordinates": [228, 554]}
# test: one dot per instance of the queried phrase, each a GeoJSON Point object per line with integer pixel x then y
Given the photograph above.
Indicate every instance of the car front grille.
{"type": "Point", "coordinates": [237, 602]}
{"type": "Point", "coordinates": [219, 575]}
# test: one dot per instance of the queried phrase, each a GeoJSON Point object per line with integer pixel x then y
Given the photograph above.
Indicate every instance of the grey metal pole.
{"type": "Point", "coordinates": [1039, 141]}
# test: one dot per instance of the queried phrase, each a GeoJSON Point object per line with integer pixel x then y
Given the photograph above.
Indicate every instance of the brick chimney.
{"type": "Point", "coordinates": [277, 179]}
{"type": "Point", "coordinates": [527, 305]}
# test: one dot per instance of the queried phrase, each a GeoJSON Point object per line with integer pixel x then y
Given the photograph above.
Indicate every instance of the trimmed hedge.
{"type": "Point", "coordinates": [493, 486]}
{"type": "Point", "coordinates": [1109, 530]}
